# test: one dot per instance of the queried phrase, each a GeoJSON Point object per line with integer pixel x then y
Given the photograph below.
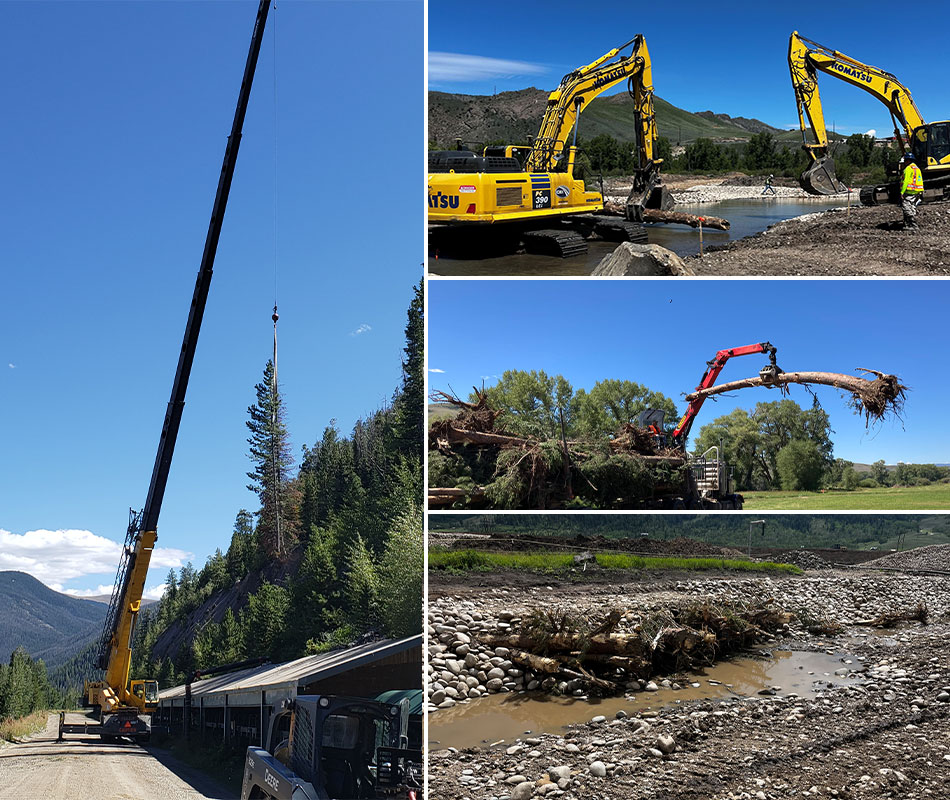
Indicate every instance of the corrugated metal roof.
{"type": "Point", "coordinates": [302, 671]}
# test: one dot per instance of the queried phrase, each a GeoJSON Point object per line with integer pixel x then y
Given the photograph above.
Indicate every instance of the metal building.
{"type": "Point", "coordinates": [237, 706]}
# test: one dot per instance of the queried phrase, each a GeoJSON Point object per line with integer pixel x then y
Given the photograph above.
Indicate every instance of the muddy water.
{"type": "Point", "coordinates": [504, 717]}
{"type": "Point", "coordinates": [746, 217]}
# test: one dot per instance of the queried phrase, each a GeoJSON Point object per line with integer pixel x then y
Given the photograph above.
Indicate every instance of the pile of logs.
{"type": "Point", "coordinates": [563, 653]}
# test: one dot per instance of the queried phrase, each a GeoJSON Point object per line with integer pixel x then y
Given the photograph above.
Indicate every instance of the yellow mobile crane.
{"type": "Point", "coordinates": [123, 706]}
{"type": "Point", "coordinates": [465, 189]}
{"type": "Point", "coordinates": [929, 142]}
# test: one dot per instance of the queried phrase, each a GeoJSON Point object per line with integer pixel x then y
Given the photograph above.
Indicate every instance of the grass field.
{"type": "Point", "coordinates": [472, 561]}
{"type": "Point", "coordinates": [909, 498]}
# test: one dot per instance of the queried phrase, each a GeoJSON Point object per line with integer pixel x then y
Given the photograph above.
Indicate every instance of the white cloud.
{"type": "Point", "coordinates": [434, 369]}
{"type": "Point", "coordinates": [364, 328]}
{"type": "Point", "coordinates": [56, 557]}
{"type": "Point", "coordinates": [458, 67]}
{"type": "Point", "coordinates": [155, 592]}
{"type": "Point", "coordinates": [11, 365]}
{"type": "Point", "coordinates": [101, 589]}
{"type": "Point", "coordinates": [871, 132]}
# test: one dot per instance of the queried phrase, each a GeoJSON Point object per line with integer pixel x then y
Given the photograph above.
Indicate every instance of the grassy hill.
{"type": "Point", "coordinates": [515, 117]}
{"type": "Point", "coordinates": [50, 625]}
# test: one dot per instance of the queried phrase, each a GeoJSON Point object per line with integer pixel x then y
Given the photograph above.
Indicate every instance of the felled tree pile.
{"type": "Point", "coordinates": [473, 462]}
{"type": "Point", "coordinates": [566, 652]}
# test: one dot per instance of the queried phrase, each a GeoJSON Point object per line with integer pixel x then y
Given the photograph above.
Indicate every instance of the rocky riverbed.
{"type": "Point", "coordinates": [884, 734]}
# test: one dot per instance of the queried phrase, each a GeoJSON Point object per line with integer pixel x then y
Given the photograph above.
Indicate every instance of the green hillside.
{"type": "Point", "coordinates": [516, 116]}
{"type": "Point", "coordinates": [50, 625]}
{"type": "Point", "coordinates": [858, 531]}
{"type": "Point", "coordinates": [614, 116]}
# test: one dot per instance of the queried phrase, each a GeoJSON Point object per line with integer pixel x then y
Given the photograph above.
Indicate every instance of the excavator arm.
{"type": "Point", "coordinates": [713, 368]}
{"type": "Point", "coordinates": [805, 59]}
{"type": "Point", "coordinates": [575, 92]}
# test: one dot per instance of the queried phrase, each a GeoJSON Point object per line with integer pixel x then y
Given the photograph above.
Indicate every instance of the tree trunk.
{"type": "Point", "coordinates": [678, 217]}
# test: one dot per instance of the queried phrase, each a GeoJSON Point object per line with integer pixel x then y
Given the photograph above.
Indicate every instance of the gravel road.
{"type": "Point", "coordinates": [85, 768]}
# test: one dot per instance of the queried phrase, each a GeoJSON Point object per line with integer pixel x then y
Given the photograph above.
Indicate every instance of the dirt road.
{"type": "Point", "coordinates": [85, 768]}
{"type": "Point", "coordinates": [866, 241]}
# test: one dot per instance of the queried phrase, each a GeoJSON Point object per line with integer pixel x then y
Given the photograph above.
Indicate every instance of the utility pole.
{"type": "Point", "coordinates": [751, 523]}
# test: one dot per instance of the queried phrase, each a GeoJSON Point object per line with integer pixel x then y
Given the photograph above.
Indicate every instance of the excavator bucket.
{"type": "Point", "coordinates": [820, 178]}
{"type": "Point", "coordinates": [660, 198]}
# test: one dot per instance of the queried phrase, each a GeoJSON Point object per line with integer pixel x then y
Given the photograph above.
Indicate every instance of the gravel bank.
{"type": "Point", "coordinates": [888, 736]}
{"type": "Point", "coordinates": [935, 557]}
{"type": "Point", "coordinates": [864, 241]}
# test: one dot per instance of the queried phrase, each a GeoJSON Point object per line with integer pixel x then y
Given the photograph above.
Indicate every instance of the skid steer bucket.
{"type": "Point", "coordinates": [820, 178]}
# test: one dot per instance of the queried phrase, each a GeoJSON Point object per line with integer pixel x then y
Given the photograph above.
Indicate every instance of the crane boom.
{"type": "Point", "coordinates": [115, 651]}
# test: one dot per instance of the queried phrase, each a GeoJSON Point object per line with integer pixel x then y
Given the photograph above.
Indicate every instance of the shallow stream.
{"type": "Point", "coordinates": [504, 717]}
{"type": "Point", "coordinates": [746, 217]}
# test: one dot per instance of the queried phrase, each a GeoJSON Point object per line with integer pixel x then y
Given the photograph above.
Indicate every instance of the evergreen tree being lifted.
{"type": "Point", "coordinates": [270, 452]}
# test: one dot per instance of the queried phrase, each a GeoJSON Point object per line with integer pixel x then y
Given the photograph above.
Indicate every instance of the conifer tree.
{"type": "Point", "coordinates": [361, 586]}
{"type": "Point", "coordinates": [270, 451]}
{"type": "Point", "coordinates": [410, 405]}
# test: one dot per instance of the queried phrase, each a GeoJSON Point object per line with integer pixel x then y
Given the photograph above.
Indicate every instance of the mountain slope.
{"type": "Point", "coordinates": [516, 116]}
{"type": "Point", "coordinates": [50, 625]}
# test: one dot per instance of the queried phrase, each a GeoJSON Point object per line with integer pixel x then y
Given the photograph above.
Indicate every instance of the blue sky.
{"type": "Point", "coordinates": [115, 120]}
{"type": "Point", "coordinates": [729, 58]}
{"type": "Point", "coordinates": [661, 333]}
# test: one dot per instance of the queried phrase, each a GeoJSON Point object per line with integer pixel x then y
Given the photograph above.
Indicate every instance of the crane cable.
{"type": "Point", "coordinates": [275, 396]}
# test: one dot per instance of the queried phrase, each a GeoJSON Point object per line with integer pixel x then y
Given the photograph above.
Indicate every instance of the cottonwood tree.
{"type": "Point", "coordinates": [612, 403]}
{"type": "Point", "coordinates": [752, 442]}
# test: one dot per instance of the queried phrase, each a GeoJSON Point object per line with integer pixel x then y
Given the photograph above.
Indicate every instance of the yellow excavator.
{"type": "Point", "coordinates": [928, 142]}
{"type": "Point", "coordinates": [123, 706]}
{"type": "Point", "coordinates": [529, 187]}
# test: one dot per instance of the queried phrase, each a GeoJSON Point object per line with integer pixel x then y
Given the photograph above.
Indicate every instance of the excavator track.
{"type": "Point", "coordinates": [563, 243]}
{"type": "Point", "coordinates": [615, 229]}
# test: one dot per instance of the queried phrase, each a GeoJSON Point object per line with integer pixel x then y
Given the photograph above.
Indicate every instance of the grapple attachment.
{"type": "Point", "coordinates": [820, 178]}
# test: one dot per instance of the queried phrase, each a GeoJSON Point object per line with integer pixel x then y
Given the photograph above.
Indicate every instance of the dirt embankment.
{"type": "Point", "coordinates": [885, 733]}
{"type": "Point", "coordinates": [866, 241]}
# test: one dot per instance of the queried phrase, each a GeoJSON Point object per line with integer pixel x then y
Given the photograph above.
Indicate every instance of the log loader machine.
{"type": "Point", "coordinates": [531, 191]}
{"type": "Point", "coordinates": [928, 142]}
{"type": "Point", "coordinates": [334, 748]}
{"type": "Point", "coordinates": [124, 707]}
{"type": "Point", "coordinates": [709, 482]}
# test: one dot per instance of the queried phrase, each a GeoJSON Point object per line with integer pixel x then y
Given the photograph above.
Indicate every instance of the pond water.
{"type": "Point", "coordinates": [501, 718]}
{"type": "Point", "coordinates": [746, 217]}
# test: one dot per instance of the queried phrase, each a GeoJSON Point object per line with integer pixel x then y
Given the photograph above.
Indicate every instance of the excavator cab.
{"type": "Point", "coordinates": [930, 144]}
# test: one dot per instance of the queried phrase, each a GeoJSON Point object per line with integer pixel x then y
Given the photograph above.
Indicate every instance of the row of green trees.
{"type": "Point", "coordinates": [761, 154]}
{"type": "Point", "coordinates": [25, 687]}
{"type": "Point", "coordinates": [333, 553]}
{"type": "Point", "coordinates": [792, 530]}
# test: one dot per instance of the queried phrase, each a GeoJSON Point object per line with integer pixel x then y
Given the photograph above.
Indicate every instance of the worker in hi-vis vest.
{"type": "Point", "coordinates": [912, 191]}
